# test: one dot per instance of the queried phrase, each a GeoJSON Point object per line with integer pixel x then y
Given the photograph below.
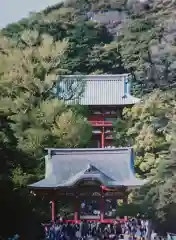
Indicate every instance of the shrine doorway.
{"type": "Point", "coordinates": [90, 209]}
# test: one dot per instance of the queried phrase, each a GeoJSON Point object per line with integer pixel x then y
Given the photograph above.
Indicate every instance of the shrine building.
{"type": "Point", "coordinates": [93, 180]}
{"type": "Point", "coordinates": [105, 96]}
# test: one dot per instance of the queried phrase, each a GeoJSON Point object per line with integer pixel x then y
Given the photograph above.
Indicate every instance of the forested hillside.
{"type": "Point", "coordinates": [66, 39]}
{"type": "Point", "coordinates": [143, 45]}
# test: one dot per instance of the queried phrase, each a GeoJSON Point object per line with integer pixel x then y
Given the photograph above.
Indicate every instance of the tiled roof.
{"type": "Point", "coordinates": [111, 167]}
{"type": "Point", "coordinates": [101, 89]}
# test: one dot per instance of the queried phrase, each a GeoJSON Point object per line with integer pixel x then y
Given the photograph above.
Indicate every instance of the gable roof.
{"type": "Point", "coordinates": [67, 167]}
{"type": "Point", "coordinates": [107, 89]}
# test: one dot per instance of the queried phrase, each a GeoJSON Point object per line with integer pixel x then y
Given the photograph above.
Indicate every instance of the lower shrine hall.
{"type": "Point", "coordinates": [92, 180]}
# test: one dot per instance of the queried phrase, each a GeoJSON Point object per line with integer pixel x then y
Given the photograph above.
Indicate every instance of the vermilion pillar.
{"type": "Point", "coordinates": [53, 210]}
{"type": "Point", "coordinates": [102, 138]}
{"type": "Point", "coordinates": [76, 208]}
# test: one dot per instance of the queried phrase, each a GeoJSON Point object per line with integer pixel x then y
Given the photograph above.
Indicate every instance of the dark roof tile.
{"type": "Point", "coordinates": [107, 89]}
{"type": "Point", "coordinates": [66, 167]}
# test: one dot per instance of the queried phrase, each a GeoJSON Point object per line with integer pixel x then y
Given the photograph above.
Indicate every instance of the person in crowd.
{"type": "Point", "coordinates": [95, 230]}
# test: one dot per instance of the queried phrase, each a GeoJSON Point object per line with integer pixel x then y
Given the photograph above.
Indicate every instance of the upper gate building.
{"type": "Point", "coordinates": [105, 96]}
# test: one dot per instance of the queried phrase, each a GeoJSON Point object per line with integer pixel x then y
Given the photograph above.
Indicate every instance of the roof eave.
{"type": "Point", "coordinates": [88, 77]}
{"type": "Point", "coordinates": [31, 187]}
{"type": "Point", "coordinates": [89, 149]}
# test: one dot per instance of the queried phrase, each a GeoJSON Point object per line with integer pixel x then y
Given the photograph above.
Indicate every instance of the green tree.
{"type": "Point", "coordinates": [150, 127]}
{"type": "Point", "coordinates": [147, 45]}
{"type": "Point", "coordinates": [121, 133]}
{"type": "Point", "coordinates": [40, 120]}
{"type": "Point", "coordinates": [148, 132]}
{"type": "Point", "coordinates": [105, 59]}
{"type": "Point", "coordinates": [157, 198]}
{"type": "Point", "coordinates": [82, 39]}
{"type": "Point", "coordinates": [31, 118]}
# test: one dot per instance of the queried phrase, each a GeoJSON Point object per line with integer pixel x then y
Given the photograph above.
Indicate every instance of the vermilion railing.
{"type": "Point", "coordinates": [101, 123]}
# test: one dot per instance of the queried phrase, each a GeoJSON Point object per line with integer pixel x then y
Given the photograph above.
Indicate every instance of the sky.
{"type": "Point", "coordinates": [14, 10]}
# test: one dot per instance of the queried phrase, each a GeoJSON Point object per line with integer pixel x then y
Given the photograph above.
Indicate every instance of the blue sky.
{"type": "Point", "coordinates": [14, 10]}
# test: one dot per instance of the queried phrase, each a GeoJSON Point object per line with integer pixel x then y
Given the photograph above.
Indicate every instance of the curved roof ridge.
{"type": "Point", "coordinates": [101, 172]}
{"type": "Point", "coordinates": [96, 173]}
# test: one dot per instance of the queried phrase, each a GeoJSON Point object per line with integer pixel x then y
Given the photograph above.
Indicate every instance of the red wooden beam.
{"type": "Point", "coordinates": [101, 123]}
{"type": "Point", "coordinates": [107, 221]}
{"type": "Point", "coordinates": [53, 210]}
{"type": "Point", "coordinates": [102, 138]}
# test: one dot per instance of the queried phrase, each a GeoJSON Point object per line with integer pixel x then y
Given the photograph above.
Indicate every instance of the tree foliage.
{"type": "Point", "coordinates": [148, 47]}
{"type": "Point", "coordinates": [31, 116]}
{"type": "Point", "coordinates": [143, 45]}
{"type": "Point", "coordinates": [146, 126]}
{"type": "Point", "coordinates": [150, 128]}
{"type": "Point", "coordinates": [38, 117]}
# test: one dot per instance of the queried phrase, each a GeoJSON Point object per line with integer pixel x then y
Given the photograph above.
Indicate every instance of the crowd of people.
{"type": "Point", "coordinates": [133, 228]}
